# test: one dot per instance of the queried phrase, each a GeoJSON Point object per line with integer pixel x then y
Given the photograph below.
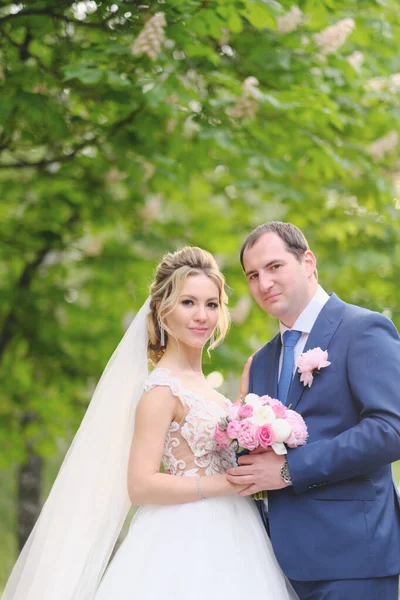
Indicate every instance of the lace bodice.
{"type": "Point", "coordinates": [189, 447]}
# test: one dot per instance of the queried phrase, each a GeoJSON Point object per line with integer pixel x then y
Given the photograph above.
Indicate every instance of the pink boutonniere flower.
{"type": "Point", "coordinates": [310, 364]}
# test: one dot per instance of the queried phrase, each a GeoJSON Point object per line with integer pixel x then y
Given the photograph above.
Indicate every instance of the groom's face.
{"type": "Point", "coordinates": [280, 282]}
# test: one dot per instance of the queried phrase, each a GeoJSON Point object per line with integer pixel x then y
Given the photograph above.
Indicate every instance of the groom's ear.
{"type": "Point", "coordinates": [310, 264]}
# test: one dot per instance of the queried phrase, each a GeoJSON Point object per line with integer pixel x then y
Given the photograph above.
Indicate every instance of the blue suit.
{"type": "Point", "coordinates": [341, 518]}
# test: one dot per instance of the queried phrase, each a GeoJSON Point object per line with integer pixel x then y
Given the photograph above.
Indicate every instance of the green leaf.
{"type": "Point", "coordinates": [87, 74]}
{"type": "Point", "coordinates": [116, 81]}
{"type": "Point", "coordinates": [259, 15]}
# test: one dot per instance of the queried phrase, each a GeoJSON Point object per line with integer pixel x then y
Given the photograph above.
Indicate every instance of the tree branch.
{"type": "Point", "coordinates": [7, 332]}
{"type": "Point", "coordinates": [25, 54]}
{"type": "Point", "coordinates": [126, 121]}
{"type": "Point", "coordinates": [203, 4]}
{"type": "Point", "coordinates": [61, 17]}
{"type": "Point", "coordinates": [48, 161]}
{"type": "Point", "coordinates": [23, 284]}
{"type": "Point", "coordinates": [63, 158]}
{"type": "Point", "coordinates": [4, 141]}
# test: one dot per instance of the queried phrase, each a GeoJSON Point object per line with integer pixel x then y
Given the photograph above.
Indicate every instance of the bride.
{"type": "Point", "coordinates": [192, 535]}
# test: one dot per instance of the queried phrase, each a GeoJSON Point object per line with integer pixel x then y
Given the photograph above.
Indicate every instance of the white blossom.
{"type": "Point", "coordinates": [250, 86]}
{"type": "Point", "coordinates": [282, 430]}
{"type": "Point", "coordinates": [332, 38]}
{"type": "Point", "coordinates": [262, 415]}
{"type": "Point", "coordinates": [380, 147]}
{"type": "Point", "coordinates": [227, 50]}
{"type": "Point", "coordinates": [356, 60]}
{"type": "Point", "coordinates": [290, 21]}
{"type": "Point", "coordinates": [394, 82]}
{"type": "Point", "coordinates": [151, 37]}
{"type": "Point", "coordinates": [149, 170]}
{"type": "Point", "coordinates": [376, 84]}
{"type": "Point", "coordinates": [391, 83]}
{"type": "Point", "coordinates": [194, 80]}
{"type": "Point", "coordinates": [190, 127]}
{"type": "Point", "coordinates": [152, 208]}
{"type": "Point", "coordinates": [247, 103]}
{"type": "Point", "coordinates": [396, 183]}
{"type": "Point", "coordinates": [239, 313]}
{"type": "Point", "coordinates": [94, 246]}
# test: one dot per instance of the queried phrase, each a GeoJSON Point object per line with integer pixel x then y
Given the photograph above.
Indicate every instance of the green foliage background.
{"type": "Point", "coordinates": [108, 160]}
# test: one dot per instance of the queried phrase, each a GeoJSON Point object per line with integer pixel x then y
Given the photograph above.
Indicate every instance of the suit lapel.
{"type": "Point", "coordinates": [266, 371]}
{"type": "Point", "coordinates": [320, 336]}
{"type": "Point", "coordinates": [273, 362]}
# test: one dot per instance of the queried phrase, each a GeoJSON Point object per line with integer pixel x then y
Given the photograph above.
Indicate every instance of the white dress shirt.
{"type": "Point", "coordinates": [304, 323]}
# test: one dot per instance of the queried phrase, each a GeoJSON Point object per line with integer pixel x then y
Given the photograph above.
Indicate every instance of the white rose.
{"type": "Point", "coordinates": [253, 400]}
{"type": "Point", "coordinates": [281, 429]}
{"type": "Point", "coordinates": [263, 415]}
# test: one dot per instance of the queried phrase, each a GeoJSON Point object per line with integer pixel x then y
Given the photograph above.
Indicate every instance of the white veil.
{"type": "Point", "coordinates": [71, 543]}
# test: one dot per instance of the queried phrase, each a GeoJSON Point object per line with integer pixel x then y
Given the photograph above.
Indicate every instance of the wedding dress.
{"type": "Point", "coordinates": [208, 549]}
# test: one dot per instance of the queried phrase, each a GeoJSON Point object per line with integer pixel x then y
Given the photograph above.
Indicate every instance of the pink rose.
{"type": "Point", "coordinates": [221, 437]}
{"type": "Point", "coordinates": [233, 429]}
{"type": "Point", "coordinates": [278, 408]}
{"type": "Point", "coordinates": [233, 410]}
{"type": "Point", "coordinates": [299, 434]}
{"type": "Point", "coordinates": [265, 435]}
{"type": "Point", "coordinates": [247, 436]}
{"type": "Point", "coordinates": [246, 410]}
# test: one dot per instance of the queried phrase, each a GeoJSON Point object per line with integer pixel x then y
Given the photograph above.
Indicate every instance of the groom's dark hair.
{"type": "Point", "coordinates": [291, 235]}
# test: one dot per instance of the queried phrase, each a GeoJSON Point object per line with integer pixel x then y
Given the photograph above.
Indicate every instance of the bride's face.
{"type": "Point", "coordinates": [195, 316]}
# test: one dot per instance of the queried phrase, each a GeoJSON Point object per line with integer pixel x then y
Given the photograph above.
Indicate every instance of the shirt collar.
{"type": "Point", "coordinates": [305, 321]}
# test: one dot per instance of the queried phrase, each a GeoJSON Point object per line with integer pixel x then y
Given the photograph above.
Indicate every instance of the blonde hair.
{"type": "Point", "coordinates": [169, 278]}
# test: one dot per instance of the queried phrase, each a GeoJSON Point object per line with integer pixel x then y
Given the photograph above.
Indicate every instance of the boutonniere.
{"type": "Point", "coordinates": [310, 364]}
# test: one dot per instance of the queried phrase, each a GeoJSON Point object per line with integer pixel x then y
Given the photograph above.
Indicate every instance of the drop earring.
{"type": "Point", "coordinates": [162, 336]}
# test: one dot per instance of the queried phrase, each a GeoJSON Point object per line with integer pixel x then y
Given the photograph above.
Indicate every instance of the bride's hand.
{"type": "Point", "coordinates": [244, 379]}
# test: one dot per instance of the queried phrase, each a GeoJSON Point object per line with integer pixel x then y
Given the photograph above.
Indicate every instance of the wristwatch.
{"type": "Point", "coordinates": [285, 473]}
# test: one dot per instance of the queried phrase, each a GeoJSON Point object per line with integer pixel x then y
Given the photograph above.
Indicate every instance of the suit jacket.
{"type": "Point", "coordinates": [341, 518]}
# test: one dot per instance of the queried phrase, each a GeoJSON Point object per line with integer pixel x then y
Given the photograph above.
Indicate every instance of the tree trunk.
{"type": "Point", "coordinates": [29, 486]}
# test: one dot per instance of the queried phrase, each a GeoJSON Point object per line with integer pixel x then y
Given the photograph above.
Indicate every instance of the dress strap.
{"type": "Point", "coordinates": [188, 398]}
{"type": "Point", "coordinates": [162, 377]}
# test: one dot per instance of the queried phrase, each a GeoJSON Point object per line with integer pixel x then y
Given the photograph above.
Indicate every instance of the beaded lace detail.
{"type": "Point", "coordinates": [189, 447]}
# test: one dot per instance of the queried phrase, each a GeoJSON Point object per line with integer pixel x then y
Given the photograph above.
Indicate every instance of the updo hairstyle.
{"type": "Point", "coordinates": [166, 287]}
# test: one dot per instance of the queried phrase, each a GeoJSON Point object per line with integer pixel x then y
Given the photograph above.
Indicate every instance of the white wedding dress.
{"type": "Point", "coordinates": [208, 549]}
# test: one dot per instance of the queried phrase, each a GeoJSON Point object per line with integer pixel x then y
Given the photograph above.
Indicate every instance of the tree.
{"type": "Point", "coordinates": [128, 130]}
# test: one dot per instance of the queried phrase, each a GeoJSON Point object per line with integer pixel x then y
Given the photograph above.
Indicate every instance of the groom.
{"type": "Point", "coordinates": [333, 508]}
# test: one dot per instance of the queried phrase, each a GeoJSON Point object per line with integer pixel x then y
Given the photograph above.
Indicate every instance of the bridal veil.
{"type": "Point", "coordinates": [71, 543]}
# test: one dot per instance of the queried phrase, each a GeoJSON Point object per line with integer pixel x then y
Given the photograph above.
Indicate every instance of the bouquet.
{"type": "Point", "coordinates": [261, 422]}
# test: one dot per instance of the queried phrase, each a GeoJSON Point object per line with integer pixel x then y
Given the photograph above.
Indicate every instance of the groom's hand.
{"type": "Point", "coordinates": [260, 470]}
